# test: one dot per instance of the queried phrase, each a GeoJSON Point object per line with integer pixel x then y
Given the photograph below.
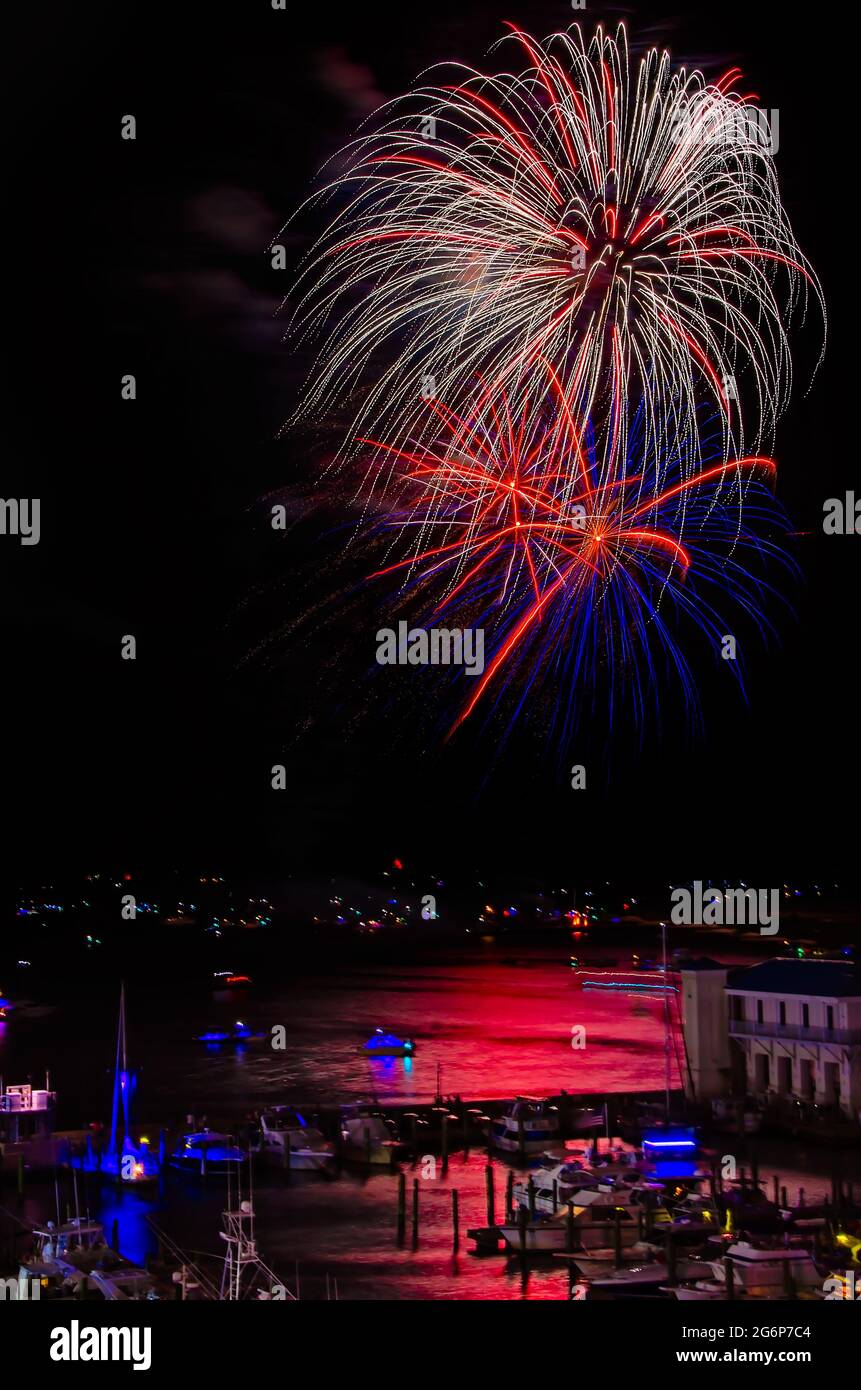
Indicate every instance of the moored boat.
{"type": "Point", "coordinates": [207, 1152]}
{"type": "Point", "coordinates": [527, 1127]}
{"type": "Point", "coordinates": [368, 1137]}
{"type": "Point", "coordinates": [286, 1138]}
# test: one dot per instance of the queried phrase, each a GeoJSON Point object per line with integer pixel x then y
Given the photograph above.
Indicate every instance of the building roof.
{"type": "Point", "coordinates": [700, 963]}
{"type": "Point", "coordinates": [829, 979]}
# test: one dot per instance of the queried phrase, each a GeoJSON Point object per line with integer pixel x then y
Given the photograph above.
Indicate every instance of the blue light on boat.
{"type": "Point", "coordinates": [670, 1139]}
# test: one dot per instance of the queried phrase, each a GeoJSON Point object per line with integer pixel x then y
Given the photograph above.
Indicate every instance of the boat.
{"type": "Point", "coordinates": [207, 1152]}
{"type": "Point", "coordinates": [239, 1033]}
{"type": "Point", "coordinates": [285, 1137]}
{"type": "Point", "coordinates": [382, 1044]}
{"type": "Point", "coordinates": [544, 1235]}
{"type": "Point", "coordinates": [368, 1137]}
{"type": "Point", "coordinates": [26, 1127]}
{"type": "Point", "coordinates": [596, 1209]}
{"type": "Point", "coordinates": [758, 1271]}
{"type": "Point", "coordinates": [559, 1178]}
{"type": "Point", "coordinates": [73, 1259]}
{"type": "Point", "coordinates": [122, 1158]}
{"type": "Point", "coordinates": [231, 979]}
{"type": "Point", "coordinates": [644, 1277]}
{"type": "Point", "coordinates": [526, 1127]}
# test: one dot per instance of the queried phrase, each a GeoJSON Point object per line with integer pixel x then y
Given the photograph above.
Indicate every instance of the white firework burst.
{"type": "Point", "coordinates": [593, 216]}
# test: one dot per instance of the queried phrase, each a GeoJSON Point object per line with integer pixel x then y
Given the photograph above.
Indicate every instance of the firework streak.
{"type": "Point", "coordinates": [572, 557]}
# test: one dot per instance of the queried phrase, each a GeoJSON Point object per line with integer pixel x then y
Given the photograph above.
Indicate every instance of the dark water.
{"type": "Point", "coordinates": [495, 1028]}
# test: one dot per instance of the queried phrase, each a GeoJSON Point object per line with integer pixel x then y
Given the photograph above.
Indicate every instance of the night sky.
{"type": "Point", "coordinates": [150, 257]}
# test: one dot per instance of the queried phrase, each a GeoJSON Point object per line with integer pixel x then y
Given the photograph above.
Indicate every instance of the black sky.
{"type": "Point", "coordinates": [149, 257]}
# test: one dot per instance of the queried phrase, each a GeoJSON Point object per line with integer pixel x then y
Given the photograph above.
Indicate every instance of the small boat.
{"type": "Point", "coordinates": [207, 1152]}
{"type": "Point", "coordinates": [231, 979]}
{"type": "Point", "coordinates": [643, 1277]}
{"type": "Point", "coordinates": [544, 1235]}
{"type": "Point", "coordinates": [368, 1137]}
{"type": "Point", "coordinates": [75, 1260]}
{"type": "Point", "coordinates": [239, 1033]}
{"type": "Point", "coordinates": [285, 1137]}
{"type": "Point", "coordinates": [526, 1127]}
{"type": "Point", "coordinates": [758, 1271]}
{"type": "Point", "coordinates": [387, 1045]}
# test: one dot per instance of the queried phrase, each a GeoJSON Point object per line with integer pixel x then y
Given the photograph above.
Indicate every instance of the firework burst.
{"type": "Point", "coordinates": [612, 217]}
{"type": "Point", "coordinates": [580, 564]}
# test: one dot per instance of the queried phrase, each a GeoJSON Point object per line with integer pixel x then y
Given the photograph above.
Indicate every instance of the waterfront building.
{"type": "Point", "coordinates": [794, 1023]}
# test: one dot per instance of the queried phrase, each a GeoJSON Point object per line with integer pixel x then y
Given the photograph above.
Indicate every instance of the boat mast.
{"type": "Point", "coordinates": [666, 1021]}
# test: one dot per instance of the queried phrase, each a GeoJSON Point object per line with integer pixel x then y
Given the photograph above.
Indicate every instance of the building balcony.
{"type": "Point", "coordinates": [748, 1028]}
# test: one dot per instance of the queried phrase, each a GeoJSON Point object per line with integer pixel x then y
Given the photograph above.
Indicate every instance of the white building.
{"type": "Point", "coordinates": [799, 1024]}
{"type": "Point", "coordinates": [796, 1024]}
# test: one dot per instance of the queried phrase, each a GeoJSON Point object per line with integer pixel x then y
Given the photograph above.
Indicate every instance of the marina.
{"type": "Point", "coordinates": [411, 1190]}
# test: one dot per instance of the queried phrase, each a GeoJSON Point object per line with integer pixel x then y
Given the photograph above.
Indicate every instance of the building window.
{"type": "Point", "coordinates": [829, 1018]}
{"type": "Point", "coordinates": [760, 1011]}
{"type": "Point", "coordinates": [782, 1008]}
{"type": "Point", "coordinates": [736, 1007]}
{"type": "Point", "coordinates": [805, 1015]}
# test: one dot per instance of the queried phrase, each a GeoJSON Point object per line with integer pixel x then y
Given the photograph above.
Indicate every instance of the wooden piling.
{"type": "Point", "coordinates": [509, 1196]}
{"type": "Point", "coordinates": [490, 1201]}
{"type": "Point", "coordinates": [530, 1194]}
{"type": "Point", "coordinates": [455, 1220]}
{"type": "Point", "coordinates": [569, 1229]}
{"type": "Point", "coordinates": [402, 1208]}
{"type": "Point", "coordinates": [788, 1281]}
{"type": "Point", "coordinates": [555, 1195]}
{"type": "Point", "coordinates": [415, 1213]}
{"type": "Point", "coordinates": [784, 1202]}
{"type": "Point", "coordinates": [445, 1141]}
{"type": "Point", "coordinates": [522, 1223]}
{"type": "Point", "coordinates": [776, 1190]}
{"type": "Point", "coordinates": [617, 1239]}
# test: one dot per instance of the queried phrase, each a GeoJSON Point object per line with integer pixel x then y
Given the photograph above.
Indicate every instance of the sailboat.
{"type": "Point", "coordinates": [121, 1159]}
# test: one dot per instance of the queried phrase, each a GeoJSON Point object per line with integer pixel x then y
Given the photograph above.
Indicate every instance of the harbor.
{"type": "Point", "coordinates": [390, 1178]}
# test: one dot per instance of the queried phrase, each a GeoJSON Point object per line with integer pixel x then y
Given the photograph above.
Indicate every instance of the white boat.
{"type": "Point", "coordinates": [652, 1275]}
{"type": "Point", "coordinates": [527, 1127]}
{"type": "Point", "coordinates": [368, 1137]}
{"type": "Point", "coordinates": [758, 1272]}
{"type": "Point", "coordinates": [286, 1139]}
{"type": "Point", "coordinates": [555, 1184]}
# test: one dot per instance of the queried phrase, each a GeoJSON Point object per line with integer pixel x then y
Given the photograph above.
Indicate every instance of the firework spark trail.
{"type": "Point", "coordinates": [608, 216]}
{"type": "Point", "coordinates": [574, 570]}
